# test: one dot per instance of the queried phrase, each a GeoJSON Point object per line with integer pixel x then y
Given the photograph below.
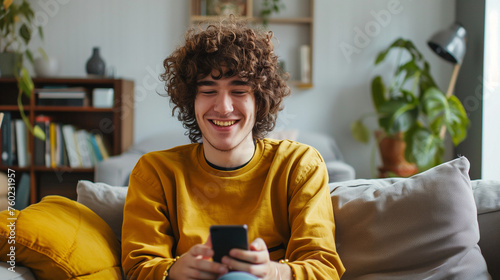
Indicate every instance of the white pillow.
{"type": "Point", "coordinates": [105, 200]}
{"type": "Point", "coordinates": [423, 227]}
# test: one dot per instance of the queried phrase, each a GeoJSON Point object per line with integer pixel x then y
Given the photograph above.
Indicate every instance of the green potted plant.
{"type": "Point", "coordinates": [268, 8]}
{"type": "Point", "coordinates": [412, 108]}
{"type": "Point", "coordinates": [16, 30]}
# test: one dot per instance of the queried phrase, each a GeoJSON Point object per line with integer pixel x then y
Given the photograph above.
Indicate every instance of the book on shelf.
{"type": "Point", "coordinates": [67, 145]}
{"type": "Point", "coordinates": [53, 145]}
{"type": "Point", "coordinates": [61, 96]}
{"type": "Point", "coordinates": [63, 154]}
{"type": "Point", "coordinates": [13, 141]}
{"type": "Point", "coordinates": [84, 148]}
{"type": "Point", "coordinates": [7, 158]}
{"type": "Point", "coordinates": [23, 154]}
{"type": "Point", "coordinates": [57, 146]}
{"type": "Point", "coordinates": [102, 146]}
{"type": "Point", "coordinates": [95, 148]}
{"type": "Point", "coordinates": [71, 145]}
{"type": "Point", "coordinates": [40, 147]}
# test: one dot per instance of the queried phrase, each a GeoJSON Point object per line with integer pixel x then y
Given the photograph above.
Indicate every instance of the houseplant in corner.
{"type": "Point", "coordinates": [411, 108]}
{"type": "Point", "coordinates": [268, 8]}
{"type": "Point", "coordinates": [16, 31]}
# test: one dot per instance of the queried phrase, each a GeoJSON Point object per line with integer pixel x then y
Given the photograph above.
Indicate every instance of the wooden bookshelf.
{"type": "Point", "coordinates": [115, 125]}
{"type": "Point", "coordinates": [296, 19]}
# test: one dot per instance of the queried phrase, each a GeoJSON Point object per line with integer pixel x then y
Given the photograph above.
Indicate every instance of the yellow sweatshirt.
{"type": "Point", "coordinates": [282, 194]}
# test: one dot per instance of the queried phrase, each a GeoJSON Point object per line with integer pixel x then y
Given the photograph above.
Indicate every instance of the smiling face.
{"type": "Point", "coordinates": [225, 113]}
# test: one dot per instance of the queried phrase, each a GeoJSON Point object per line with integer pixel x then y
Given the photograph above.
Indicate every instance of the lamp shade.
{"type": "Point", "coordinates": [450, 43]}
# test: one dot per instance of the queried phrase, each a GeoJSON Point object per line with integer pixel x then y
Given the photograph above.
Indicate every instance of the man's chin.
{"type": "Point", "coordinates": [221, 147]}
{"type": "Point", "coordinates": [224, 144]}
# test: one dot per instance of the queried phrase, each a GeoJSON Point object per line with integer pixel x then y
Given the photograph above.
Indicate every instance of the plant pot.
{"type": "Point", "coordinates": [8, 62]}
{"type": "Point", "coordinates": [46, 67]}
{"type": "Point", "coordinates": [392, 152]}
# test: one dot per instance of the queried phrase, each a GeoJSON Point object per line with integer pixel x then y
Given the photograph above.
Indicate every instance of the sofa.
{"type": "Point", "coordinates": [116, 170]}
{"type": "Point", "coordinates": [437, 224]}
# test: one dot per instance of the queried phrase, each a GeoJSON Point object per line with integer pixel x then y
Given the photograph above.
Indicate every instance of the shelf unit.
{"type": "Point", "coordinates": [114, 124]}
{"type": "Point", "coordinates": [293, 27]}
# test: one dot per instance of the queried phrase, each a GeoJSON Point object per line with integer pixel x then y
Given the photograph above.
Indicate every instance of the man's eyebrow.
{"type": "Point", "coordinates": [212, 83]}
{"type": "Point", "coordinates": [239, 83]}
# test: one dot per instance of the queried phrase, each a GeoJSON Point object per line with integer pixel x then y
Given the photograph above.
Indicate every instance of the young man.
{"type": "Point", "coordinates": [227, 89]}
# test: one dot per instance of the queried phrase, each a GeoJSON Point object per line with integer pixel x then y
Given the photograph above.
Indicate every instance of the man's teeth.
{"type": "Point", "coordinates": [223, 123]}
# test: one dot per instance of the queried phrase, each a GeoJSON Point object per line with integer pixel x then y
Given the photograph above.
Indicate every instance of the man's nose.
{"type": "Point", "coordinates": [223, 103]}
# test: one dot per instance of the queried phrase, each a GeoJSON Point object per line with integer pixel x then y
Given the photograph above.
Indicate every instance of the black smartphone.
{"type": "Point", "coordinates": [226, 237]}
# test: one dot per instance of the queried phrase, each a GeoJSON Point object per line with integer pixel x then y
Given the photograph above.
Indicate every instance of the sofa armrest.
{"type": "Point", "coordinates": [487, 198]}
{"type": "Point", "coordinates": [116, 170]}
{"type": "Point", "coordinates": [339, 171]}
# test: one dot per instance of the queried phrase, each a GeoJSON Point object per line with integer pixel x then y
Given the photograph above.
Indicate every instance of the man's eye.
{"type": "Point", "coordinates": [239, 92]}
{"type": "Point", "coordinates": [208, 91]}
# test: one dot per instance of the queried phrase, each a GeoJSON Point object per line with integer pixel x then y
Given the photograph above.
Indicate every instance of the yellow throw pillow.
{"type": "Point", "coordinates": [59, 238]}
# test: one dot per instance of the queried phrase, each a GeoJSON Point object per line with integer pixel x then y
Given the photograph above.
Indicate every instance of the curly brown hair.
{"type": "Point", "coordinates": [241, 50]}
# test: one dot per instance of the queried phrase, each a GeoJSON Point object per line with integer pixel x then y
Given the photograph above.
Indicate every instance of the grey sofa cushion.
{"type": "Point", "coordinates": [105, 200]}
{"type": "Point", "coordinates": [487, 197]}
{"type": "Point", "coordinates": [423, 227]}
{"type": "Point", "coordinates": [19, 273]}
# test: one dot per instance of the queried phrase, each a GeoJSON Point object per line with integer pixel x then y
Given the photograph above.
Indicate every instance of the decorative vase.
{"type": "Point", "coordinates": [46, 67]}
{"type": "Point", "coordinates": [392, 152]}
{"type": "Point", "coordinates": [8, 62]}
{"type": "Point", "coordinates": [95, 64]}
{"type": "Point", "coordinates": [228, 7]}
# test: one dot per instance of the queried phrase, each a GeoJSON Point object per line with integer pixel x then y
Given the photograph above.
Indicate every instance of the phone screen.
{"type": "Point", "coordinates": [226, 237]}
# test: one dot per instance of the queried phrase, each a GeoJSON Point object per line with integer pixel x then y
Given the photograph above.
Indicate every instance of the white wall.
{"type": "Point", "coordinates": [135, 36]}
{"type": "Point", "coordinates": [491, 93]}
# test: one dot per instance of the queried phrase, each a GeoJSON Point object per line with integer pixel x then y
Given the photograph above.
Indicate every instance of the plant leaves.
{"type": "Point", "coordinates": [26, 11]}
{"type": "Point", "coordinates": [25, 83]}
{"type": "Point", "coordinates": [6, 4]}
{"type": "Point", "coordinates": [411, 71]}
{"type": "Point", "coordinates": [40, 31]}
{"type": "Point", "coordinates": [38, 132]}
{"type": "Point", "coordinates": [396, 44]}
{"type": "Point", "coordinates": [410, 47]}
{"type": "Point", "coordinates": [446, 111]}
{"type": "Point", "coordinates": [413, 104]}
{"type": "Point", "coordinates": [399, 115]}
{"type": "Point", "coordinates": [378, 92]}
{"type": "Point", "coordinates": [29, 54]}
{"type": "Point", "coordinates": [43, 53]}
{"type": "Point", "coordinates": [435, 106]}
{"type": "Point", "coordinates": [426, 80]}
{"type": "Point", "coordinates": [409, 96]}
{"type": "Point", "coordinates": [25, 33]}
{"type": "Point", "coordinates": [423, 147]}
{"type": "Point", "coordinates": [360, 132]}
{"type": "Point", "coordinates": [434, 103]}
{"type": "Point", "coordinates": [458, 122]}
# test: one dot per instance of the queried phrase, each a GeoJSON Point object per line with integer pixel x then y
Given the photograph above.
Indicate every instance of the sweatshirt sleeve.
{"type": "Point", "coordinates": [311, 249]}
{"type": "Point", "coordinates": [147, 238]}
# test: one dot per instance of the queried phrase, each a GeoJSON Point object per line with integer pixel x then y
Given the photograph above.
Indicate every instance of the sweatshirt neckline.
{"type": "Point", "coordinates": [259, 150]}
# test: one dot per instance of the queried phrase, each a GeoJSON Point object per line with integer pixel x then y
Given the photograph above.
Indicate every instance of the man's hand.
{"type": "Point", "coordinates": [255, 261]}
{"type": "Point", "coordinates": [196, 264]}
